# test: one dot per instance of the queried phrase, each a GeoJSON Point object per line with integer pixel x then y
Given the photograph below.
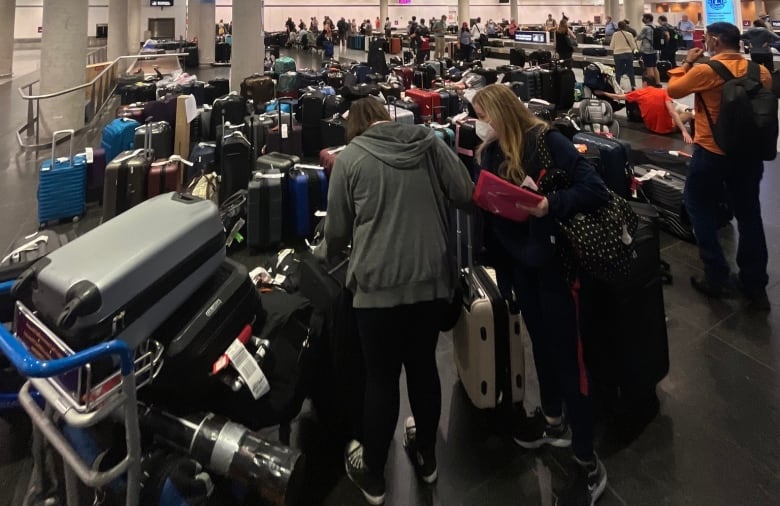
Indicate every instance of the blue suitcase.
{"type": "Point", "coordinates": [361, 71]}
{"type": "Point", "coordinates": [118, 136]}
{"type": "Point", "coordinates": [615, 157]}
{"type": "Point", "coordinates": [306, 193]}
{"type": "Point", "coordinates": [62, 184]}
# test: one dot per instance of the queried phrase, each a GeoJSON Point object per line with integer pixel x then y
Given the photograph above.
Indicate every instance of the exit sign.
{"type": "Point", "coordinates": [404, 2]}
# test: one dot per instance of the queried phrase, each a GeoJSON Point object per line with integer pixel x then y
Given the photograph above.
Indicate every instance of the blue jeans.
{"type": "Point", "coordinates": [624, 66]}
{"type": "Point", "coordinates": [707, 174]}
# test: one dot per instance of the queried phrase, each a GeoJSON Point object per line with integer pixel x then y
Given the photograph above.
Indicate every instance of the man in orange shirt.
{"type": "Point", "coordinates": [659, 112]}
{"type": "Point", "coordinates": [711, 168]}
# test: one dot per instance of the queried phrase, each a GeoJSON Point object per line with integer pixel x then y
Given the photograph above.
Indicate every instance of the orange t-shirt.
{"type": "Point", "coordinates": [708, 86]}
{"type": "Point", "coordinates": [652, 103]}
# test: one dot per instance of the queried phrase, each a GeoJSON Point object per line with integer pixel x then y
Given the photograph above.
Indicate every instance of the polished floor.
{"type": "Point", "coordinates": [715, 441]}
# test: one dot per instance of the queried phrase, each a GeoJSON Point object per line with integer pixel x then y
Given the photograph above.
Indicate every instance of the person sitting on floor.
{"type": "Point", "coordinates": [660, 114]}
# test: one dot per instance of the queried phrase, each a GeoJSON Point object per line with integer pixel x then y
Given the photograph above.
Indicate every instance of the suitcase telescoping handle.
{"type": "Point", "coordinates": [459, 232]}
{"type": "Point", "coordinates": [56, 135]}
{"type": "Point", "coordinates": [148, 153]}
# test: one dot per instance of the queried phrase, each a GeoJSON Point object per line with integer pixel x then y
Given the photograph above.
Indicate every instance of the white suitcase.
{"type": "Point", "coordinates": [400, 115]}
{"type": "Point", "coordinates": [487, 339]}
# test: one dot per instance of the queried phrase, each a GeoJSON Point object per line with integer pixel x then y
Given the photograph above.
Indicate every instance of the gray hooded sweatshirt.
{"type": "Point", "coordinates": [759, 39]}
{"type": "Point", "coordinates": [388, 197]}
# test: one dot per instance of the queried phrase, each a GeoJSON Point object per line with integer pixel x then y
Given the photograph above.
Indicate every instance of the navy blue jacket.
{"type": "Point", "coordinates": [532, 243]}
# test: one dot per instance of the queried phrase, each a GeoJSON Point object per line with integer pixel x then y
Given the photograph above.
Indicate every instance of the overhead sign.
{"type": "Point", "coordinates": [722, 11]}
{"type": "Point", "coordinates": [533, 37]}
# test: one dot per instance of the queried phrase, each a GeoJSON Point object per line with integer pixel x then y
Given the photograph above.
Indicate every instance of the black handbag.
{"type": "Point", "coordinates": [600, 243]}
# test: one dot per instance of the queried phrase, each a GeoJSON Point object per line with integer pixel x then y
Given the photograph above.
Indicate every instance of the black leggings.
{"type": "Point", "coordinates": [767, 60]}
{"type": "Point", "coordinates": [392, 337]}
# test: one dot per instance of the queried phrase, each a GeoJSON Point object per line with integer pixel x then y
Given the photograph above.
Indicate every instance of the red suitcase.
{"type": "Point", "coordinates": [164, 176]}
{"type": "Point", "coordinates": [328, 158]}
{"type": "Point", "coordinates": [132, 111]}
{"type": "Point", "coordinates": [406, 74]}
{"type": "Point", "coordinates": [395, 45]}
{"type": "Point", "coordinates": [429, 102]}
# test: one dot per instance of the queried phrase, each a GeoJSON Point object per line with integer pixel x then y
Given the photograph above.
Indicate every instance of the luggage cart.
{"type": "Point", "coordinates": [71, 394]}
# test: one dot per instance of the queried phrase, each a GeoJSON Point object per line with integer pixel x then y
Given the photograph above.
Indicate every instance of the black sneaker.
{"type": "Point", "coordinates": [533, 432]}
{"type": "Point", "coordinates": [425, 468]}
{"type": "Point", "coordinates": [758, 301]}
{"type": "Point", "coordinates": [703, 286]}
{"type": "Point", "coordinates": [372, 486]}
{"type": "Point", "coordinates": [586, 486]}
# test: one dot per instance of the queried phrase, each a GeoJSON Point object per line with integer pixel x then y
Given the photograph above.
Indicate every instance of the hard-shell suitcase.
{"type": "Point", "coordinates": [118, 136]}
{"type": "Point", "coordinates": [228, 109]}
{"type": "Point", "coordinates": [563, 88]}
{"type": "Point", "coordinates": [333, 131]}
{"type": "Point", "coordinates": [410, 105]}
{"type": "Point", "coordinates": [517, 56]}
{"type": "Point", "coordinates": [306, 192]}
{"type": "Point", "coordinates": [625, 372]}
{"type": "Point", "coordinates": [286, 137]}
{"type": "Point", "coordinates": [428, 101]}
{"type": "Point", "coordinates": [95, 159]}
{"type": "Point", "coordinates": [62, 184]}
{"type": "Point", "coordinates": [328, 158]}
{"type": "Point", "coordinates": [487, 340]}
{"type": "Point", "coordinates": [399, 114]}
{"type": "Point", "coordinates": [547, 86]}
{"type": "Point", "coordinates": [223, 52]}
{"type": "Point", "coordinates": [265, 210]}
{"type": "Point", "coordinates": [450, 103]}
{"type": "Point", "coordinates": [615, 161]}
{"type": "Point", "coordinates": [312, 112]}
{"type": "Point", "coordinates": [334, 104]}
{"type": "Point", "coordinates": [162, 110]}
{"type": "Point", "coordinates": [361, 71]}
{"type": "Point", "coordinates": [235, 166]}
{"type": "Point", "coordinates": [532, 81]}
{"type": "Point", "coordinates": [161, 137]}
{"type": "Point", "coordinates": [275, 161]}
{"type": "Point", "coordinates": [203, 158]}
{"type": "Point", "coordinates": [131, 111]}
{"type": "Point", "coordinates": [153, 257]}
{"type": "Point", "coordinates": [125, 182]}
{"type": "Point", "coordinates": [466, 143]}
{"type": "Point", "coordinates": [165, 176]}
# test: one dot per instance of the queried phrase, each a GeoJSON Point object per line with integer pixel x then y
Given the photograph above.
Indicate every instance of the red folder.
{"type": "Point", "coordinates": [501, 197]}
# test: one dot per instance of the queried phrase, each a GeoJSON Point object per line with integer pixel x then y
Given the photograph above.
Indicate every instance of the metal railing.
{"type": "Point", "coordinates": [99, 92]}
{"type": "Point", "coordinates": [97, 55]}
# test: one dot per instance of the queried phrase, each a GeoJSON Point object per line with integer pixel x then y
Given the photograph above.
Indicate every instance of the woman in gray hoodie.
{"type": "Point", "coordinates": [759, 38]}
{"type": "Point", "coordinates": [389, 196]}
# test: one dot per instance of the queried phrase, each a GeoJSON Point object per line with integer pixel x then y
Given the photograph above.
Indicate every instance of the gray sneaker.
{"type": "Point", "coordinates": [425, 468]}
{"type": "Point", "coordinates": [586, 486]}
{"type": "Point", "coordinates": [533, 432]}
{"type": "Point", "coordinates": [372, 485]}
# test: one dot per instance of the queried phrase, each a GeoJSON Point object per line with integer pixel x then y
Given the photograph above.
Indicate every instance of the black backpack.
{"type": "Point", "coordinates": [747, 126]}
{"type": "Point", "coordinates": [658, 37]}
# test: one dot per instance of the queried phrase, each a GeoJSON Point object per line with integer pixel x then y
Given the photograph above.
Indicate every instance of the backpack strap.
{"type": "Point", "coordinates": [722, 71]}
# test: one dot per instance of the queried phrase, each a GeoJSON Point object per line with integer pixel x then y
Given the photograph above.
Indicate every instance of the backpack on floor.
{"type": "Point", "coordinates": [747, 126]}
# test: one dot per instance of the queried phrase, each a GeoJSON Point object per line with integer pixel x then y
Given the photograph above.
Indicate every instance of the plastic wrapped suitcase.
{"type": "Point", "coordinates": [265, 210]}
{"type": "Point", "coordinates": [428, 101]}
{"type": "Point", "coordinates": [615, 161]}
{"type": "Point", "coordinates": [333, 131]}
{"type": "Point", "coordinates": [62, 184]}
{"type": "Point", "coordinates": [487, 339]}
{"type": "Point", "coordinates": [153, 257]}
{"type": "Point", "coordinates": [306, 192]}
{"type": "Point", "coordinates": [125, 182]}
{"type": "Point", "coordinates": [275, 161]}
{"type": "Point", "coordinates": [161, 137]}
{"type": "Point", "coordinates": [118, 136]}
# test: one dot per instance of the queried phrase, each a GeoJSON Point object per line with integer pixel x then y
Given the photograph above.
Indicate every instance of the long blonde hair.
{"type": "Point", "coordinates": [511, 120]}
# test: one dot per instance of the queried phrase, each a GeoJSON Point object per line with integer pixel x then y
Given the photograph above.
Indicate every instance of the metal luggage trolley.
{"type": "Point", "coordinates": [73, 393]}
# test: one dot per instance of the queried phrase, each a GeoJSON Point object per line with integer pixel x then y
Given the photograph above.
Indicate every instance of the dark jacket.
{"type": "Point", "coordinates": [531, 243]}
{"type": "Point", "coordinates": [563, 46]}
{"type": "Point", "coordinates": [759, 39]}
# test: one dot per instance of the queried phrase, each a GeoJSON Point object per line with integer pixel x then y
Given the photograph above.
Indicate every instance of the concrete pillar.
{"type": "Point", "coordinates": [193, 20]}
{"type": "Point", "coordinates": [383, 10]}
{"type": "Point", "coordinates": [117, 29]}
{"type": "Point", "coordinates": [772, 9]}
{"type": "Point", "coordinates": [248, 47]}
{"type": "Point", "coordinates": [7, 17]}
{"type": "Point", "coordinates": [463, 12]}
{"type": "Point", "coordinates": [63, 63]}
{"type": "Point", "coordinates": [613, 9]}
{"type": "Point", "coordinates": [513, 14]}
{"type": "Point", "coordinates": [633, 11]}
{"type": "Point", "coordinates": [133, 26]}
{"type": "Point", "coordinates": [207, 38]}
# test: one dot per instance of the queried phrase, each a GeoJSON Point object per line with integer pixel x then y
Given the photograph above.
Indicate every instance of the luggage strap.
{"type": "Point", "coordinates": [28, 246]}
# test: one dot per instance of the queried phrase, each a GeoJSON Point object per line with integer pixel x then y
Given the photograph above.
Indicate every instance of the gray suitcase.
{"type": "Point", "coordinates": [400, 115]}
{"type": "Point", "coordinates": [487, 339]}
{"type": "Point", "coordinates": [124, 278]}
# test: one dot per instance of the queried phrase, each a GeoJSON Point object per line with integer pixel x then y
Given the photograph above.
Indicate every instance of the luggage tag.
{"type": "Point", "coordinates": [89, 154]}
{"type": "Point", "coordinates": [244, 363]}
{"type": "Point", "coordinates": [285, 131]}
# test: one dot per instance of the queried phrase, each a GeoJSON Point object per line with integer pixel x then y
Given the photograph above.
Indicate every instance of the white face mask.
{"type": "Point", "coordinates": [484, 130]}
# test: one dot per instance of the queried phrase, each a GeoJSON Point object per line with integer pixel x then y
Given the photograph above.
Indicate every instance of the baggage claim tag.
{"type": "Point", "coordinates": [285, 131]}
{"type": "Point", "coordinates": [248, 369]}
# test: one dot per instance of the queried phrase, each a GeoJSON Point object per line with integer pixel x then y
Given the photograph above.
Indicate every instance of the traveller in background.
{"type": "Point", "coordinates": [628, 28]}
{"type": "Point", "coordinates": [301, 24]}
{"type": "Point", "coordinates": [367, 28]}
{"type": "Point", "coordinates": [439, 31]}
{"type": "Point", "coordinates": [478, 30]}
{"type": "Point", "coordinates": [660, 114]}
{"type": "Point", "coordinates": [314, 27]}
{"type": "Point", "coordinates": [687, 28]}
{"type": "Point", "coordinates": [491, 28]}
{"type": "Point", "coordinates": [290, 25]}
{"type": "Point", "coordinates": [623, 48]}
{"type": "Point", "coordinates": [648, 52]}
{"type": "Point", "coordinates": [412, 32]}
{"type": "Point", "coordinates": [527, 264]}
{"type": "Point", "coordinates": [353, 27]}
{"type": "Point", "coordinates": [609, 29]}
{"type": "Point", "coordinates": [511, 29]}
{"type": "Point", "coordinates": [377, 23]}
{"type": "Point", "coordinates": [389, 197]}
{"type": "Point", "coordinates": [550, 25]}
{"type": "Point", "coordinates": [710, 169]}
{"type": "Point", "coordinates": [669, 48]}
{"type": "Point", "coordinates": [464, 42]}
{"type": "Point", "coordinates": [325, 40]}
{"type": "Point", "coordinates": [589, 28]}
{"type": "Point", "coordinates": [423, 39]}
{"type": "Point", "coordinates": [343, 28]}
{"type": "Point", "coordinates": [221, 28]}
{"type": "Point", "coordinates": [388, 28]}
{"type": "Point", "coordinates": [760, 37]}
{"type": "Point", "coordinates": [565, 42]}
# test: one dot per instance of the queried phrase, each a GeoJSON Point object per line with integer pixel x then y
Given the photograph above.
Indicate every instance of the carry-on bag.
{"type": "Point", "coordinates": [615, 155]}
{"type": "Point", "coordinates": [406, 74]}
{"type": "Point", "coordinates": [429, 103]}
{"type": "Point", "coordinates": [161, 138]}
{"type": "Point", "coordinates": [62, 184]}
{"type": "Point", "coordinates": [287, 137]}
{"type": "Point", "coordinates": [125, 182]}
{"type": "Point", "coordinates": [235, 165]}
{"type": "Point", "coordinates": [306, 192]}
{"type": "Point", "coordinates": [410, 105]}
{"type": "Point", "coordinates": [95, 158]}
{"type": "Point", "coordinates": [333, 131]}
{"type": "Point", "coordinates": [153, 257]}
{"type": "Point", "coordinates": [275, 161]}
{"type": "Point", "coordinates": [487, 338]}
{"type": "Point", "coordinates": [203, 158]}
{"type": "Point", "coordinates": [162, 110]}
{"type": "Point", "coordinates": [563, 88]}
{"type": "Point", "coordinates": [258, 88]}
{"type": "Point", "coordinates": [166, 176]}
{"type": "Point", "coordinates": [400, 115]}
{"type": "Point", "coordinates": [328, 158]}
{"type": "Point", "coordinates": [118, 136]}
{"type": "Point", "coordinates": [228, 109]}
{"type": "Point", "coordinates": [517, 56]}
{"type": "Point", "coordinates": [265, 209]}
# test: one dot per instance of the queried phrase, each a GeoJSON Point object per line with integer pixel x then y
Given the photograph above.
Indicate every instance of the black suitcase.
{"type": "Point", "coordinates": [663, 70]}
{"type": "Point", "coordinates": [265, 209]}
{"type": "Point", "coordinates": [333, 131]}
{"type": "Point", "coordinates": [615, 161]}
{"type": "Point", "coordinates": [540, 57]}
{"type": "Point", "coordinates": [563, 88]}
{"type": "Point", "coordinates": [137, 93]}
{"type": "Point", "coordinates": [199, 333]}
{"type": "Point", "coordinates": [285, 138]}
{"type": "Point", "coordinates": [518, 89]}
{"type": "Point", "coordinates": [336, 104]}
{"type": "Point", "coordinates": [517, 56]}
{"type": "Point", "coordinates": [235, 164]}
{"type": "Point", "coordinates": [542, 110]}
{"type": "Point", "coordinates": [230, 108]}
{"type": "Point", "coordinates": [466, 143]}
{"type": "Point", "coordinates": [222, 52]}
{"type": "Point", "coordinates": [532, 82]}
{"type": "Point", "coordinates": [450, 105]}
{"type": "Point", "coordinates": [547, 86]}
{"type": "Point", "coordinates": [594, 51]}
{"type": "Point", "coordinates": [274, 161]}
{"type": "Point", "coordinates": [623, 329]}
{"type": "Point", "coordinates": [312, 111]}
{"type": "Point", "coordinates": [490, 75]}
{"type": "Point", "coordinates": [221, 86]}
{"type": "Point", "coordinates": [162, 138]}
